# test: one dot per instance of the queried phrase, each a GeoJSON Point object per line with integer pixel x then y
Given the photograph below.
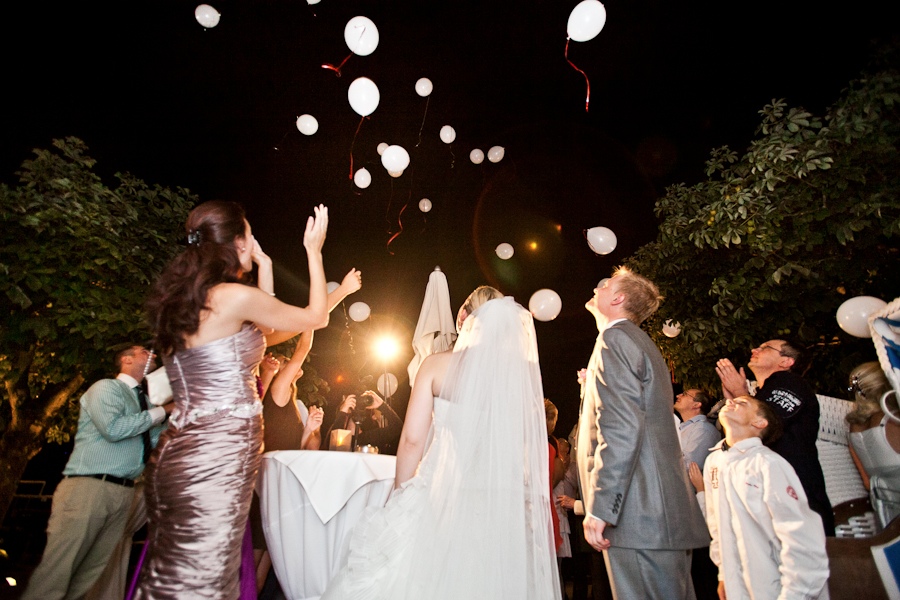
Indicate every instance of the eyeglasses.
{"type": "Point", "coordinates": [768, 347]}
{"type": "Point", "coordinates": [854, 386]}
{"type": "Point", "coordinates": [688, 395]}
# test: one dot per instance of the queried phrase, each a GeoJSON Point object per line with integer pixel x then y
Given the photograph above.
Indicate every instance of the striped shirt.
{"type": "Point", "coordinates": [110, 424]}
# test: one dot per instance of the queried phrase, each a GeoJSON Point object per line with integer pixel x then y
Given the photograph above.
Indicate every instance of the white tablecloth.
{"type": "Point", "coordinates": [310, 501]}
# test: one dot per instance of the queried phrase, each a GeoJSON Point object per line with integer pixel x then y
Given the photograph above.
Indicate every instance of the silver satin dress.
{"type": "Point", "coordinates": [200, 478]}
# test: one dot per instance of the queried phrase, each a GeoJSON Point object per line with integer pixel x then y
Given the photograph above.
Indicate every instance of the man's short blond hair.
{"type": "Point", "coordinates": [641, 295]}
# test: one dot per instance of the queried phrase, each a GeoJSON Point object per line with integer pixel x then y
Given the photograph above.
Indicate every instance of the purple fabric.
{"type": "Point", "coordinates": [137, 572]}
{"type": "Point", "coordinates": [248, 567]}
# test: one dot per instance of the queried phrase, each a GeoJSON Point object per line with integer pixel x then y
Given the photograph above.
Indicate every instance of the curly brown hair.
{"type": "Point", "coordinates": [181, 292]}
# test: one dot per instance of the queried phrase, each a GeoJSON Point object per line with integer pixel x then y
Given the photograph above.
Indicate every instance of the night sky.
{"type": "Point", "coordinates": [154, 93]}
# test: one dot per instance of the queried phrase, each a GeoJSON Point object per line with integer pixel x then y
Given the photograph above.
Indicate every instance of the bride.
{"type": "Point", "coordinates": [470, 512]}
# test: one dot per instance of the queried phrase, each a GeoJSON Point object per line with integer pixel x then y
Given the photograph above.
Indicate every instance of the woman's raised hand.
{"type": "Point", "coordinates": [376, 399]}
{"type": "Point", "coordinates": [314, 420]}
{"type": "Point", "coordinates": [352, 281]}
{"type": "Point", "coordinates": [316, 227]}
{"type": "Point", "coordinates": [348, 405]}
{"type": "Point", "coordinates": [257, 254]}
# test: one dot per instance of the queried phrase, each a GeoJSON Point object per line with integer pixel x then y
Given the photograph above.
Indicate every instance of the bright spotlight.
{"type": "Point", "coordinates": [386, 347]}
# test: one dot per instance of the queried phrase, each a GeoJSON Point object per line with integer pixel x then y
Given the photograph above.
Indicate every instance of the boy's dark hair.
{"type": "Point", "coordinates": [773, 430]}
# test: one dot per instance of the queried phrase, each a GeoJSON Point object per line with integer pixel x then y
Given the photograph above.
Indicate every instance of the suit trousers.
{"type": "Point", "coordinates": [112, 583]}
{"type": "Point", "coordinates": [650, 574]}
{"type": "Point", "coordinates": [87, 520]}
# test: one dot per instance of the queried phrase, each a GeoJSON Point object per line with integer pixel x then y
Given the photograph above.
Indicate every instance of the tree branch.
{"type": "Point", "coordinates": [16, 383]}
{"type": "Point", "coordinates": [62, 394]}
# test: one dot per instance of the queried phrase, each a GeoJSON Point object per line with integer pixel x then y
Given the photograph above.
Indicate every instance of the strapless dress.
{"type": "Point", "coordinates": [200, 477]}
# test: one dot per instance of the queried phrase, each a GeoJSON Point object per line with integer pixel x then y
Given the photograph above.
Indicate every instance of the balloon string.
{"type": "Point", "coordinates": [282, 140]}
{"type": "Point", "coordinates": [337, 69]}
{"type": "Point", "coordinates": [452, 157]}
{"type": "Point", "coordinates": [400, 224]}
{"type": "Point", "coordinates": [387, 213]}
{"type": "Point", "coordinates": [427, 100]}
{"type": "Point", "coordinates": [352, 144]}
{"type": "Point", "coordinates": [587, 100]}
{"type": "Point", "coordinates": [347, 330]}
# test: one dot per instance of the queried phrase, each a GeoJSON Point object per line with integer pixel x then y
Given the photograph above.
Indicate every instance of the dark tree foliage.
{"type": "Point", "coordinates": [775, 240]}
{"type": "Point", "coordinates": [76, 261]}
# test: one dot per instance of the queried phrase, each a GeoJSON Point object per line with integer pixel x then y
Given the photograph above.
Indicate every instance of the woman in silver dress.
{"type": "Point", "coordinates": [208, 324]}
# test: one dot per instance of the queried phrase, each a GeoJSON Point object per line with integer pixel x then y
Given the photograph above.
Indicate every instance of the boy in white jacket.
{"type": "Point", "coordinates": [766, 540]}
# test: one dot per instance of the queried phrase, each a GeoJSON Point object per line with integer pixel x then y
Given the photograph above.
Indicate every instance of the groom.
{"type": "Point", "coordinates": [638, 503]}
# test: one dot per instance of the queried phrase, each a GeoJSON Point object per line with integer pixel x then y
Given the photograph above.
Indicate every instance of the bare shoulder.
{"type": "Point", "coordinates": [857, 427]}
{"type": "Point", "coordinates": [432, 370]}
{"type": "Point", "coordinates": [437, 360]}
{"type": "Point", "coordinates": [221, 318]}
{"type": "Point", "coordinates": [224, 294]}
{"type": "Point", "coordinates": [436, 364]}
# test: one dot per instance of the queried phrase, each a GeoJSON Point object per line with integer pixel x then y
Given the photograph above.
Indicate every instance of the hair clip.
{"type": "Point", "coordinates": [193, 238]}
{"type": "Point", "coordinates": [854, 386]}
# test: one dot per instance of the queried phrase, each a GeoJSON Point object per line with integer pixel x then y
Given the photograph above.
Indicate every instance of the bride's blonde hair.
{"type": "Point", "coordinates": [481, 295]}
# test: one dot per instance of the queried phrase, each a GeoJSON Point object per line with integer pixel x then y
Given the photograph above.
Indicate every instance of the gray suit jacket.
{"type": "Point", "coordinates": [629, 459]}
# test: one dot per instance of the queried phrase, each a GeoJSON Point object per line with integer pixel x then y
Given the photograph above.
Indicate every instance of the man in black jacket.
{"type": "Point", "coordinates": [795, 402]}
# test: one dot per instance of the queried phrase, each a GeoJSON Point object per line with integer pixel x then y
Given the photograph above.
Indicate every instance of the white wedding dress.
{"type": "Point", "coordinates": [475, 520]}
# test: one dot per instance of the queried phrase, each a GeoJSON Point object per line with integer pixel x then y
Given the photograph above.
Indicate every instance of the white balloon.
{"type": "Point", "coordinates": [586, 20]}
{"type": "Point", "coordinates": [670, 329]}
{"type": "Point", "coordinates": [395, 158]}
{"type": "Point", "coordinates": [505, 251]}
{"type": "Point", "coordinates": [448, 134]}
{"type": "Point", "coordinates": [476, 156]}
{"type": "Point", "coordinates": [853, 314]}
{"type": "Point", "coordinates": [391, 384]}
{"type": "Point", "coordinates": [425, 205]}
{"type": "Point", "coordinates": [601, 240]}
{"type": "Point", "coordinates": [381, 148]}
{"type": "Point", "coordinates": [313, 1]}
{"type": "Point", "coordinates": [307, 124]}
{"type": "Point", "coordinates": [362, 178]}
{"type": "Point", "coordinates": [545, 305]}
{"type": "Point", "coordinates": [359, 311]}
{"type": "Point", "coordinates": [332, 285]}
{"type": "Point", "coordinates": [395, 174]}
{"type": "Point", "coordinates": [206, 15]}
{"type": "Point", "coordinates": [363, 96]}
{"type": "Point", "coordinates": [361, 36]}
{"type": "Point", "coordinates": [424, 87]}
{"type": "Point", "coordinates": [495, 154]}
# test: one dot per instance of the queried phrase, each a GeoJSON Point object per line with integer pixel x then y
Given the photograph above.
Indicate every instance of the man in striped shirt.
{"type": "Point", "coordinates": [91, 504]}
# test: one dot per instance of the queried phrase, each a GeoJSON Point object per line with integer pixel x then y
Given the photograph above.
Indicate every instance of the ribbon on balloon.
{"type": "Point", "coordinates": [337, 69]}
{"type": "Point", "coordinates": [587, 100]}
{"type": "Point", "coordinates": [353, 143]}
{"type": "Point", "coordinates": [585, 21]}
{"type": "Point", "coordinates": [424, 116]}
{"type": "Point", "coordinates": [399, 231]}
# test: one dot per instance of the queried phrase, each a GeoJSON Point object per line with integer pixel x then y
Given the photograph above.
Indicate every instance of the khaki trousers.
{"type": "Point", "coordinates": [87, 520]}
{"type": "Point", "coordinates": [112, 583]}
